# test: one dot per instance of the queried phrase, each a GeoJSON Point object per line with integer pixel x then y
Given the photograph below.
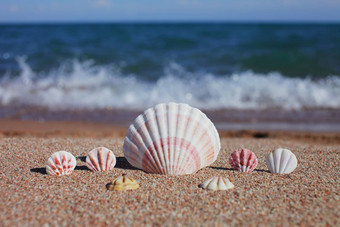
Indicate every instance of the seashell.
{"type": "Point", "coordinates": [281, 161]}
{"type": "Point", "coordinates": [122, 183]}
{"type": "Point", "coordinates": [173, 139]}
{"type": "Point", "coordinates": [61, 163]}
{"type": "Point", "coordinates": [100, 159]}
{"type": "Point", "coordinates": [217, 183]}
{"type": "Point", "coordinates": [243, 160]}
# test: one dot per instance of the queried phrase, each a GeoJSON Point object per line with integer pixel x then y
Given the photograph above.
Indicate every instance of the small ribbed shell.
{"type": "Point", "coordinates": [243, 160]}
{"type": "Point", "coordinates": [217, 183]}
{"type": "Point", "coordinates": [123, 183]}
{"type": "Point", "coordinates": [100, 159]}
{"type": "Point", "coordinates": [281, 161]}
{"type": "Point", "coordinates": [61, 163]}
{"type": "Point", "coordinates": [173, 139]}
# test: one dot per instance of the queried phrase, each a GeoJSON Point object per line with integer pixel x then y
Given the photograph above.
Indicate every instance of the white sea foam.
{"type": "Point", "coordinates": [87, 86]}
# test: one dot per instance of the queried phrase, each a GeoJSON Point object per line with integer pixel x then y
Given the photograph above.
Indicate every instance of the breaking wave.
{"type": "Point", "coordinates": [87, 86]}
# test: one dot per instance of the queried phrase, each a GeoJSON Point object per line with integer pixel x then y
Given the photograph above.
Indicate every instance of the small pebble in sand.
{"type": "Point", "coordinates": [217, 183]}
{"type": "Point", "coordinates": [243, 160]}
{"type": "Point", "coordinates": [122, 183]}
{"type": "Point", "coordinates": [281, 160]}
{"type": "Point", "coordinates": [100, 159]}
{"type": "Point", "coordinates": [61, 163]}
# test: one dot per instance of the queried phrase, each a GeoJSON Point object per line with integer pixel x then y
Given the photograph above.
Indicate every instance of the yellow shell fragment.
{"type": "Point", "coordinates": [123, 183]}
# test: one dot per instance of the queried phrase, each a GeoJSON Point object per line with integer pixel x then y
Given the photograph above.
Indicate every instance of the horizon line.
{"type": "Point", "coordinates": [171, 22]}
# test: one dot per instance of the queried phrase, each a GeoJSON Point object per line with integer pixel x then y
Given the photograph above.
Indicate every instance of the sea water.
{"type": "Point", "coordinates": [133, 66]}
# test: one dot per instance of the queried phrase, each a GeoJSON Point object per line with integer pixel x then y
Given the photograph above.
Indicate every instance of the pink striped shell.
{"type": "Point", "coordinates": [243, 160]}
{"type": "Point", "coordinates": [61, 163]}
{"type": "Point", "coordinates": [172, 139]}
{"type": "Point", "coordinates": [100, 159]}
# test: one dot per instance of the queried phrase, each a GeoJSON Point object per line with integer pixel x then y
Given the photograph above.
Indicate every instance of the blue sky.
{"type": "Point", "coordinates": [169, 10]}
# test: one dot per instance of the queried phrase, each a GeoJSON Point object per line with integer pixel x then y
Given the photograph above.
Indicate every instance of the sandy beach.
{"type": "Point", "coordinates": [30, 197]}
{"type": "Point", "coordinates": [266, 75]}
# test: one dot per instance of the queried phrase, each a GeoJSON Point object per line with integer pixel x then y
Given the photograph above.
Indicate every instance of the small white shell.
{"type": "Point", "coordinates": [281, 161]}
{"type": "Point", "coordinates": [61, 163]}
{"type": "Point", "coordinates": [100, 159]}
{"type": "Point", "coordinates": [217, 183]}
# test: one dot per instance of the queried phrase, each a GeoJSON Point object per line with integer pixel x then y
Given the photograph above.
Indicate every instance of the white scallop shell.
{"type": "Point", "coordinates": [281, 161]}
{"type": "Point", "coordinates": [100, 159]}
{"type": "Point", "coordinates": [173, 139]}
{"type": "Point", "coordinates": [217, 183]}
{"type": "Point", "coordinates": [61, 163]}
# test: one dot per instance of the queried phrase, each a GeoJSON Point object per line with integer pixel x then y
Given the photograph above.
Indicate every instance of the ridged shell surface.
{"type": "Point", "coordinates": [281, 161]}
{"type": "Point", "coordinates": [217, 183]}
{"type": "Point", "coordinates": [243, 160]}
{"type": "Point", "coordinates": [61, 163]}
{"type": "Point", "coordinates": [123, 183]}
{"type": "Point", "coordinates": [100, 159]}
{"type": "Point", "coordinates": [173, 139]}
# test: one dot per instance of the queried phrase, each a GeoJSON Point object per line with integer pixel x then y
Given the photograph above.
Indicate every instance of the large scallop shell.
{"type": "Point", "coordinates": [100, 159]}
{"type": "Point", "coordinates": [243, 160]}
{"type": "Point", "coordinates": [281, 161]}
{"type": "Point", "coordinates": [172, 139]}
{"type": "Point", "coordinates": [217, 183]}
{"type": "Point", "coordinates": [61, 163]}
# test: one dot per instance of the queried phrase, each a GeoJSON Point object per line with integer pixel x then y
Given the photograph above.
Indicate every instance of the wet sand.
{"type": "Point", "coordinates": [30, 197]}
{"type": "Point", "coordinates": [56, 129]}
{"type": "Point", "coordinates": [311, 120]}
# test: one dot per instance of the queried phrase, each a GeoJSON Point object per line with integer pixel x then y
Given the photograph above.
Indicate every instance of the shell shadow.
{"type": "Point", "coordinates": [262, 170]}
{"type": "Point", "coordinates": [82, 158]}
{"type": "Point", "coordinates": [43, 170]}
{"type": "Point", "coordinates": [39, 170]}
{"type": "Point", "coordinates": [122, 163]}
{"type": "Point", "coordinates": [82, 168]}
{"type": "Point", "coordinates": [220, 168]}
{"type": "Point", "coordinates": [230, 169]}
